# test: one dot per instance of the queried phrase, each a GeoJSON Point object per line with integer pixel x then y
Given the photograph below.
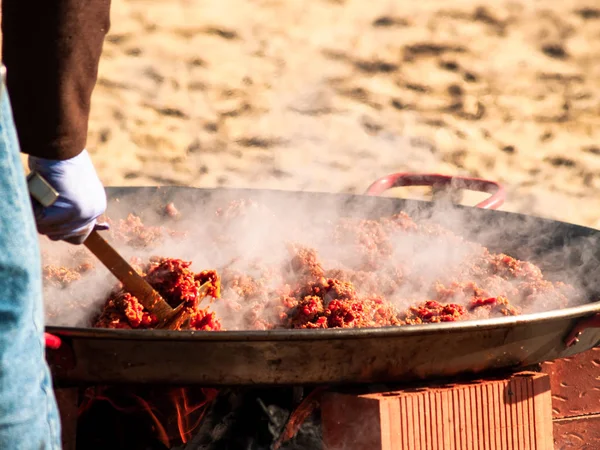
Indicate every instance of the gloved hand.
{"type": "Point", "coordinates": [82, 198]}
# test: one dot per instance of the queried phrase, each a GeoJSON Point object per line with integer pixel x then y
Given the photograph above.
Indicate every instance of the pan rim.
{"type": "Point", "coordinates": [110, 189]}
{"type": "Point", "coordinates": [576, 312]}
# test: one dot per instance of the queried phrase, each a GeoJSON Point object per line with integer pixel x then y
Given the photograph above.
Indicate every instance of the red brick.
{"type": "Point", "coordinates": [512, 413]}
{"type": "Point", "coordinates": [575, 383]}
{"type": "Point", "coordinates": [580, 433]}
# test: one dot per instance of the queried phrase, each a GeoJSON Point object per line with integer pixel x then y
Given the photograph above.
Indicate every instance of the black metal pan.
{"type": "Point", "coordinates": [394, 354]}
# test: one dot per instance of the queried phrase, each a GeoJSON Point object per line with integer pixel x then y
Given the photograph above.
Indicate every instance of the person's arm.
{"type": "Point", "coordinates": [51, 50]}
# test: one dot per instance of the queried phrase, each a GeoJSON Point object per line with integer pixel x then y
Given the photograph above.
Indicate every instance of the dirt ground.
{"type": "Point", "coordinates": [329, 95]}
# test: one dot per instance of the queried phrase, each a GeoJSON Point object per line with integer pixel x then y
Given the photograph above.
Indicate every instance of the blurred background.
{"type": "Point", "coordinates": [329, 95]}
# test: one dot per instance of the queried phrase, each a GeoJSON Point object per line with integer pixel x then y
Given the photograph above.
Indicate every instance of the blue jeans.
{"type": "Point", "coordinates": [29, 417]}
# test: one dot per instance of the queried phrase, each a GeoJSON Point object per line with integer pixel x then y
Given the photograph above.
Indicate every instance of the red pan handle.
{"type": "Point", "coordinates": [431, 179]}
{"type": "Point", "coordinates": [52, 342]}
{"type": "Point", "coordinates": [589, 322]}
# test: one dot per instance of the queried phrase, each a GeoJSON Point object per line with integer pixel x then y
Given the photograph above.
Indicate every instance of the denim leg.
{"type": "Point", "coordinates": [28, 413]}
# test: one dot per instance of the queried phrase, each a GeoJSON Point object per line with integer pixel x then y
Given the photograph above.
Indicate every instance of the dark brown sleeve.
{"type": "Point", "coordinates": [51, 50]}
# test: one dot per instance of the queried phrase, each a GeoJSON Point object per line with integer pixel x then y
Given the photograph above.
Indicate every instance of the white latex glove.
{"type": "Point", "coordinates": [81, 201]}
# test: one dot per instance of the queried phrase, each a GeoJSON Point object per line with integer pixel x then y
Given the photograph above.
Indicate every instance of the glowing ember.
{"type": "Point", "coordinates": [186, 408]}
{"type": "Point", "coordinates": [174, 413]}
{"type": "Point", "coordinates": [310, 403]}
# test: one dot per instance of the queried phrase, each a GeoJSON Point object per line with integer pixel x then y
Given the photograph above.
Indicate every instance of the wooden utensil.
{"type": "Point", "coordinates": [168, 318]}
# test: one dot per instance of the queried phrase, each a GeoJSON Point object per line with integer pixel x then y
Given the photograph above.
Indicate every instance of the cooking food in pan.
{"type": "Point", "coordinates": [355, 274]}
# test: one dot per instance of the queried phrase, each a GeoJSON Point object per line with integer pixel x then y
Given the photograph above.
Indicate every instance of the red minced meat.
{"type": "Point", "coordinates": [176, 283]}
{"type": "Point", "coordinates": [363, 286]}
{"type": "Point", "coordinates": [433, 312]}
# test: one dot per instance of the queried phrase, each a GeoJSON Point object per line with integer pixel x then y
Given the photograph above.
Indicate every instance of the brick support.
{"type": "Point", "coordinates": [510, 413]}
{"type": "Point", "coordinates": [575, 383]}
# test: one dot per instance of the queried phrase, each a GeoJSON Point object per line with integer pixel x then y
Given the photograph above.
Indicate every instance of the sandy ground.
{"type": "Point", "coordinates": [329, 95]}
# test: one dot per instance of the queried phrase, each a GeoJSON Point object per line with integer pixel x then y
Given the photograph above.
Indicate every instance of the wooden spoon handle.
{"type": "Point", "coordinates": [132, 281]}
{"type": "Point", "coordinates": [44, 193]}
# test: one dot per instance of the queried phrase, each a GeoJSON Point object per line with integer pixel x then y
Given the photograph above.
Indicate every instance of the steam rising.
{"type": "Point", "coordinates": [262, 236]}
